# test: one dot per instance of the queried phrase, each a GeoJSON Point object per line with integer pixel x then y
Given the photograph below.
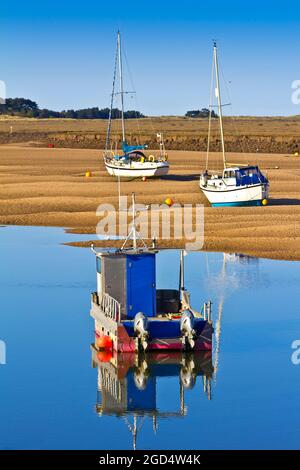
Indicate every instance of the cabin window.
{"type": "Point", "coordinates": [98, 264]}
{"type": "Point", "coordinates": [229, 174]}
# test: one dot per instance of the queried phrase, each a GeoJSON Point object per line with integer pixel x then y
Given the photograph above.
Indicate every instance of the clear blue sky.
{"type": "Point", "coordinates": [61, 54]}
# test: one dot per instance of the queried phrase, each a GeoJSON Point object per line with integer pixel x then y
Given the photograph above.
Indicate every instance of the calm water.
{"type": "Point", "coordinates": [48, 392]}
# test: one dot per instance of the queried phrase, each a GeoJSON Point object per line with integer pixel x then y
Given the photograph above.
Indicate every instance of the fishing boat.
{"type": "Point", "coordinates": [238, 185]}
{"type": "Point", "coordinates": [131, 161]}
{"type": "Point", "coordinates": [132, 315]}
{"type": "Point", "coordinates": [132, 386]}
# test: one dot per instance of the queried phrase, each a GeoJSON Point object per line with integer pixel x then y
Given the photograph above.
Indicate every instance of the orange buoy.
{"type": "Point", "coordinates": [104, 356]}
{"type": "Point", "coordinates": [88, 174]}
{"type": "Point", "coordinates": [169, 201]}
{"type": "Point", "coordinates": [105, 343]}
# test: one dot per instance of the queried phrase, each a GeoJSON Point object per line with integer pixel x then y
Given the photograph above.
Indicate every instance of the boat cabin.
{"type": "Point", "coordinates": [132, 156]}
{"type": "Point", "coordinates": [237, 176]}
{"type": "Point", "coordinates": [132, 315]}
{"type": "Point", "coordinates": [129, 278]}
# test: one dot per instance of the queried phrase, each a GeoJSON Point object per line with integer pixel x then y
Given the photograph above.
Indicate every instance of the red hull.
{"type": "Point", "coordinates": [127, 344]}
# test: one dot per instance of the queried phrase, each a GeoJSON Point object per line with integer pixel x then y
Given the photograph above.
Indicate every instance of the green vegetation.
{"type": "Point", "coordinates": [200, 113]}
{"type": "Point", "coordinates": [27, 108]}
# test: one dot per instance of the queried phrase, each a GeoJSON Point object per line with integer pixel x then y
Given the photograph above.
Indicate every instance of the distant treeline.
{"type": "Point", "coordinates": [27, 108]}
{"type": "Point", "coordinates": [200, 113]}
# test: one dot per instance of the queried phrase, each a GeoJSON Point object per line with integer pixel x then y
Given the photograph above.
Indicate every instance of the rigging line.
{"type": "Point", "coordinates": [215, 130]}
{"type": "Point", "coordinates": [219, 104]}
{"type": "Point", "coordinates": [215, 143]}
{"type": "Point", "coordinates": [130, 426]}
{"type": "Point", "coordinates": [134, 96]}
{"type": "Point", "coordinates": [120, 51]}
{"type": "Point", "coordinates": [149, 119]}
{"type": "Point", "coordinates": [107, 143]}
{"type": "Point", "coordinates": [118, 120]}
{"type": "Point", "coordinates": [210, 111]}
{"type": "Point", "coordinates": [116, 129]}
{"type": "Point", "coordinates": [233, 117]}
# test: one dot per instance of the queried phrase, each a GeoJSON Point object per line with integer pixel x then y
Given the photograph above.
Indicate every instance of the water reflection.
{"type": "Point", "coordinates": [128, 385]}
{"type": "Point", "coordinates": [255, 371]}
{"type": "Point", "coordinates": [233, 273]}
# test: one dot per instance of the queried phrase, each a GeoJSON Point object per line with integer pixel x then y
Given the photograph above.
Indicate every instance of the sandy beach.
{"type": "Point", "coordinates": [41, 186]}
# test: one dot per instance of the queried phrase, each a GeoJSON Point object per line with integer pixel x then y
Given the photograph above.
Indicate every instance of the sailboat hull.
{"type": "Point", "coordinates": [138, 170]}
{"type": "Point", "coordinates": [237, 196]}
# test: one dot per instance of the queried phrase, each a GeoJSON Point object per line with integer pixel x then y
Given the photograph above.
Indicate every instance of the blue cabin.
{"type": "Point", "coordinates": [129, 278]}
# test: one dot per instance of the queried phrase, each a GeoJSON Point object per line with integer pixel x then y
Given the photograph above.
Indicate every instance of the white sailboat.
{"type": "Point", "coordinates": [238, 185]}
{"type": "Point", "coordinates": [131, 161]}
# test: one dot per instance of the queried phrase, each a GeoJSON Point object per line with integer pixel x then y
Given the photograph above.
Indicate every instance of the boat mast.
{"type": "Point", "coordinates": [133, 231]}
{"type": "Point", "coordinates": [181, 272]}
{"type": "Point", "coordinates": [133, 222]}
{"type": "Point", "coordinates": [218, 93]}
{"type": "Point", "coordinates": [121, 85]}
{"type": "Point", "coordinates": [107, 144]}
{"type": "Point", "coordinates": [210, 113]}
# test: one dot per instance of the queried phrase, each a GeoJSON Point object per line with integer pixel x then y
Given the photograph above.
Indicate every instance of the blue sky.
{"type": "Point", "coordinates": [61, 54]}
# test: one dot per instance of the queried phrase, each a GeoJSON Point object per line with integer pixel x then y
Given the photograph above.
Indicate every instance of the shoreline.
{"type": "Point", "coordinates": [161, 244]}
{"type": "Point", "coordinates": [273, 134]}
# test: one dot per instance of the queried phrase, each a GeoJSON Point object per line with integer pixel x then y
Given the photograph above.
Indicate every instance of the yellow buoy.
{"type": "Point", "coordinates": [169, 201]}
{"type": "Point", "coordinates": [264, 202]}
{"type": "Point", "coordinates": [144, 178]}
{"type": "Point", "coordinates": [296, 154]}
{"type": "Point", "coordinates": [88, 174]}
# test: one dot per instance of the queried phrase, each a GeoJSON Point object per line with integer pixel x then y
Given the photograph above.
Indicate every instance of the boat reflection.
{"type": "Point", "coordinates": [240, 258]}
{"type": "Point", "coordinates": [129, 384]}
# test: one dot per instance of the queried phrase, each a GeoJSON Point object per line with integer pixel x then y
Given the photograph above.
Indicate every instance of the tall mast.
{"type": "Point", "coordinates": [121, 85]}
{"type": "Point", "coordinates": [133, 221]}
{"type": "Point", "coordinates": [181, 272]}
{"type": "Point", "coordinates": [218, 93]}
{"type": "Point", "coordinates": [107, 144]}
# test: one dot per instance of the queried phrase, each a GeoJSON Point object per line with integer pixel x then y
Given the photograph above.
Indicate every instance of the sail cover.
{"type": "Point", "coordinates": [249, 175]}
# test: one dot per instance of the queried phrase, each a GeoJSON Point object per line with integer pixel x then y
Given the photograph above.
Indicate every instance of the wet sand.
{"type": "Point", "coordinates": [48, 187]}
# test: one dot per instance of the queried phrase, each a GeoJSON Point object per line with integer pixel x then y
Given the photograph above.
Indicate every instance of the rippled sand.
{"type": "Point", "coordinates": [41, 186]}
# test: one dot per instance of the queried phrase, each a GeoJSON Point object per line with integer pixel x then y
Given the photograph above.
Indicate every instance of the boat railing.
{"type": "Point", "coordinates": [110, 306]}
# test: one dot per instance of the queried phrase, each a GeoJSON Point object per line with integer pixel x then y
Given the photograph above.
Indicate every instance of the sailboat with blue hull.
{"type": "Point", "coordinates": [238, 185]}
{"type": "Point", "coordinates": [131, 161]}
